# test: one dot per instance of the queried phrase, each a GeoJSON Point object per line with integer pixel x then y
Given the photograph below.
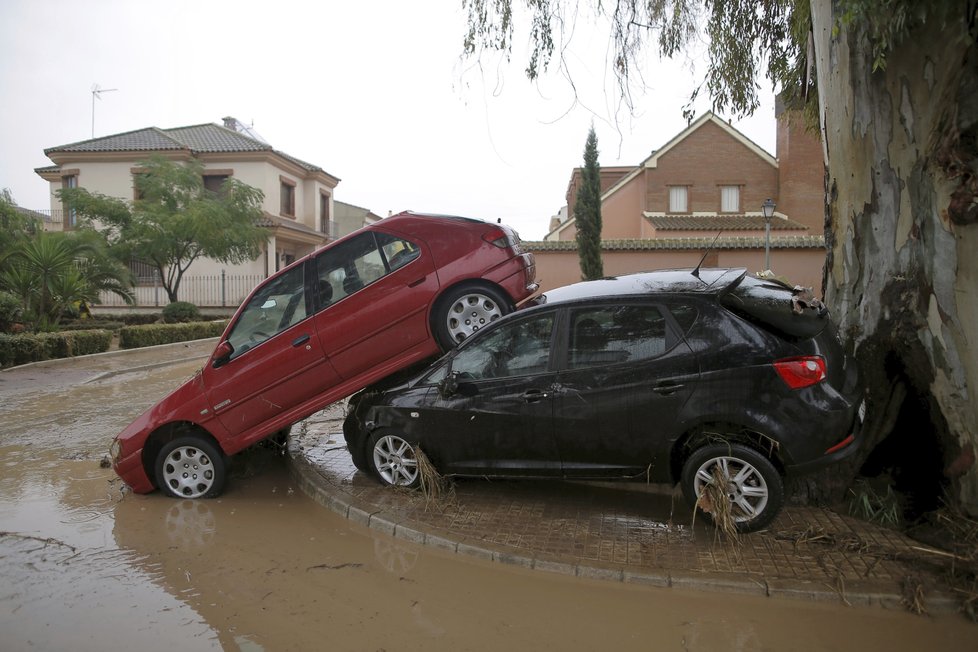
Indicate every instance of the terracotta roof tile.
{"type": "Point", "coordinates": [139, 140]}
{"type": "Point", "coordinates": [215, 138]}
{"type": "Point", "coordinates": [202, 138]}
{"type": "Point", "coordinates": [720, 223]}
{"type": "Point", "coordinates": [653, 244]}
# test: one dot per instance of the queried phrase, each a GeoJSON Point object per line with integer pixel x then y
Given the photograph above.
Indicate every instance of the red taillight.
{"type": "Point", "coordinates": [842, 444]}
{"type": "Point", "coordinates": [502, 238]}
{"type": "Point", "coordinates": [801, 372]}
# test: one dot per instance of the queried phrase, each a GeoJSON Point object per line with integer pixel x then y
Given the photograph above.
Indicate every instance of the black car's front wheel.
{"type": "Point", "coordinates": [392, 459]}
{"type": "Point", "coordinates": [745, 479]}
{"type": "Point", "coordinates": [191, 467]}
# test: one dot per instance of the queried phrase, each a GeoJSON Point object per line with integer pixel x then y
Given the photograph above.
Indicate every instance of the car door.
{"type": "Point", "coordinates": [499, 420]}
{"type": "Point", "coordinates": [625, 375]}
{"type": "Point", "coordinates": [276, 362]}
{"type": "Point", "coordinates": [373, 292]}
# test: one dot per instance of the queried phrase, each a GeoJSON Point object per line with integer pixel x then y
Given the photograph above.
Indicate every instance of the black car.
{"type": "Point", "coordinates": [689, 376]}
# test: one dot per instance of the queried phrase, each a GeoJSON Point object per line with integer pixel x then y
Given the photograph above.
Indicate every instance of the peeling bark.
{"type": "Point", "coordinates": [901, 277]}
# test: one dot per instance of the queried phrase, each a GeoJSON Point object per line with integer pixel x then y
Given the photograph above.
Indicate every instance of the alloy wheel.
{"type": "Point", "coordinates": [395, 462]}
{"type": "Point", "coordinates": [744, 485]}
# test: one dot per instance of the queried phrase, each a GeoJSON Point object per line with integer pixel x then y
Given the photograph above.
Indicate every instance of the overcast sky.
{"type": "Point", "coordinates": [373, 92]}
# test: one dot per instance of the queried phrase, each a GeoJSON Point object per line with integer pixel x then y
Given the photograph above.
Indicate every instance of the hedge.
{"type": "Point", "coordinates": [180, 312]}
{"type": "Point", "coordinates": [30, 347]}
{"type": "Point", "coordinates": [133, 337]}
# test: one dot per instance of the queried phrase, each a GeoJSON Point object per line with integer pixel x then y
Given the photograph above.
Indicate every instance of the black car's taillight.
{"type": "Point", "coordinates": [802, 371]}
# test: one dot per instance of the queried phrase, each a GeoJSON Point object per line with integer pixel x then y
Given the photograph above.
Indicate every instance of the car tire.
{"type": "Point", "coordinates": [392, 460]}
{"type": "Point", "coordinates": [463, 310]}
{"type": "Point", "coordinates": [191, 467]}
{"type": "Point", "coordinates": [756, 490]}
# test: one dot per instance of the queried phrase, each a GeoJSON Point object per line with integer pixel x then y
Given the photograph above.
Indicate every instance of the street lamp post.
{"type": "Point", "coordinates": [768, 209]}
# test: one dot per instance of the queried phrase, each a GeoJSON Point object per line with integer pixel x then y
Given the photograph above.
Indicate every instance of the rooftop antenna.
{"type": "Point", "coordinates": [696, 272]}
{"type": "Point", "coordinates": [97, 94]}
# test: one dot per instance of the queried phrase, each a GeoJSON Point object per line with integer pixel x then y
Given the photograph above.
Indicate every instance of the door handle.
{"type": "Point", "coordinates": [666, 389]}
{"type": "Point", "coordinates": [534, 395]}
{"type": "Point", "coordinates": [418, 282]}
{"type": "Point", "coordinates": [299, 341]}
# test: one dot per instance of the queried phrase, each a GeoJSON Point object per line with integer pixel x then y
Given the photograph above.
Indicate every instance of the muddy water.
{"type": "Point", "coordinates": [85, 565]}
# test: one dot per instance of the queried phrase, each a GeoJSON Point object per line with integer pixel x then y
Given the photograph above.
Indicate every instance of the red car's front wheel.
{"type": "Point", "coordinates": [191, 467]}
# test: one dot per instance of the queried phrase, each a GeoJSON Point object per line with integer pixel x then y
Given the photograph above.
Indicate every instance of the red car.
{"type": "Point", "coordinates": [358, 310]}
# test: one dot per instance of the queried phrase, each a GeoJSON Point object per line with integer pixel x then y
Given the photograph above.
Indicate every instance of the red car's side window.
{"type": "Point", "coordinates": [278, 305]}
{"type": "Point", "coordinates": [355, 264]}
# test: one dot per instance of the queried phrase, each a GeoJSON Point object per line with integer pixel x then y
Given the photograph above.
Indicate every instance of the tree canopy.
{"type": "Point", "coordinates": [175, 219]}
{"type": "Point", "coordinates": [746, 41]}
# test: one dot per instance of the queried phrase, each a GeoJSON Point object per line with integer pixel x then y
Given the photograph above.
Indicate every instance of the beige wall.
{"type": "Point", "coordinates": [108, 178]}
{"type": "Point", "coordinates": [114, 178]}
{"type": "Point", "coordinates": [621, 213]}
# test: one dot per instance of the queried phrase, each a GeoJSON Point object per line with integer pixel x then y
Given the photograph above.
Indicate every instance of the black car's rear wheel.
{"type": "Point", "coordinates": [191, 467]}
{"type": "Point", "coordinates": [738, 474]}
{"type": "Point", "coordinates": [392, 459]}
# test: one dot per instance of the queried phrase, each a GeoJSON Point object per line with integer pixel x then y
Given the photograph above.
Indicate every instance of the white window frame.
{"type": "Point", "coordinates": [678, 199]}
{"type": "Point", "coordinates": [70, 219]}
{"type": "Point", "coordinates": [729, 199]}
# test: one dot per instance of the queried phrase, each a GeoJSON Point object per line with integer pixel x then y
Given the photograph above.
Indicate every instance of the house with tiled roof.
{"type": "Point", "coordinates": [298, 205]}
{"type": "Point", "coordinates": [348, 218]}
{"type": "Point", "coordinates": [707, 183]}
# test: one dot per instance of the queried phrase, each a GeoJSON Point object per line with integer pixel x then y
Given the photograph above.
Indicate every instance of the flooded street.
{"type": "Point", "coordinates": [85, 565]}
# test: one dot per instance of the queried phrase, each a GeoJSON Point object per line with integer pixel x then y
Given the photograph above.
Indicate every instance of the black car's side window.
{"type": "Point", "coordinates": [356, 263]}
{"type": "Point", "coordinates": [516, 349]}
{"type": "Point", "coordinates": [275, 307]}
{"type": "Point", "coordinates": [613, 334]}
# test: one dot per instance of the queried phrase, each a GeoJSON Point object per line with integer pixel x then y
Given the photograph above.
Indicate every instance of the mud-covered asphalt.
{"type": "Point", "coordinates": [86, 565]}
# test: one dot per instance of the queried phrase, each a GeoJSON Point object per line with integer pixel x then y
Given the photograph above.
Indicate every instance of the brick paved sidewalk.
{"type": "Point", "coordinates": [624, 532]}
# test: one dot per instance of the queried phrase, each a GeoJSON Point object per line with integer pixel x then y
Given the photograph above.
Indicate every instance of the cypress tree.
{"type": "Point", "coordinates": [587, 212]}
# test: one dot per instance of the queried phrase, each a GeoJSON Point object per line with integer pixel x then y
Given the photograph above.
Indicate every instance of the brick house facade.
{"type": "Point", "coordinates": [708, 181]}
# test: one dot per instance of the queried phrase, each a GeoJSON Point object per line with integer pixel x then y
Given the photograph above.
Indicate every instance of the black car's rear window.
{"type": "Point", "coordinates": [776, 307]}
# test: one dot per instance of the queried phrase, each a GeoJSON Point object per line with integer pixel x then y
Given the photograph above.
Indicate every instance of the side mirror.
{"type": "Point", "coordinates": [448, 385]}
{"type": "Point", "coordinates": [222, 354]}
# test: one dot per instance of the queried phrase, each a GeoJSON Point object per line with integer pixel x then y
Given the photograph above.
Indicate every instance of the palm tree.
{"type": "Point", "coordinates": [51, 271]}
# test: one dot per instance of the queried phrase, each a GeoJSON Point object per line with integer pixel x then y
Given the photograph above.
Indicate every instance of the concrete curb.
{"type": "Point", "coordinates": [116, 354]}
{"type": "Point", "coordinates": [155, 365]}
{"type": "Point", "coordinates": [869, 593]}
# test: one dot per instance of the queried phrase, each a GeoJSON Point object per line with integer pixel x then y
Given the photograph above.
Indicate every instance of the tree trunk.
{"type": "Point", "coordinates": [902, 231]}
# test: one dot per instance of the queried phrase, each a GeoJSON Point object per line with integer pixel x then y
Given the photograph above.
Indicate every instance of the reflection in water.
{"type": "Point", "coordinates": [190, 524]}
{"type": "Point", "coordinates": [65, 586]}
{"type": "Point", "coordinates": [393, 556]}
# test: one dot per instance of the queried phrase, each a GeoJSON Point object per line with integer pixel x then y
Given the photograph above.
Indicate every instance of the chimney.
{"type": "Point", "coordinates": [231, 123]}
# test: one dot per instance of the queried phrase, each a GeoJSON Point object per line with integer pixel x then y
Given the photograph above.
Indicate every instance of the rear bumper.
{"type": "Point", "coordinates": [517, 276]}
{"type": "Point", "coordinates": [836, 453]}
